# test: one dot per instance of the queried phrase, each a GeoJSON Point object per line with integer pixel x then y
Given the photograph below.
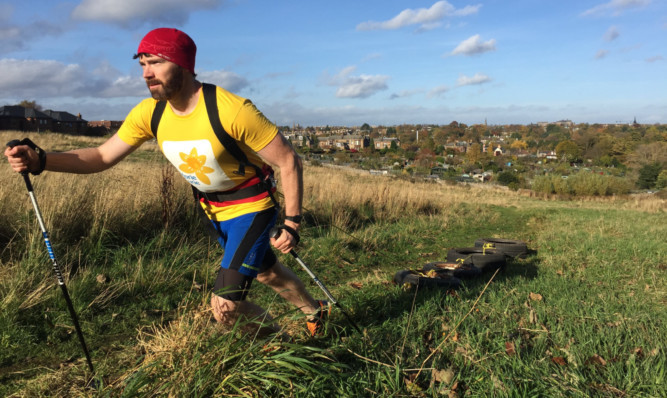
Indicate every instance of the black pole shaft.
{"type": "Point", "coordinates": [56, 270]}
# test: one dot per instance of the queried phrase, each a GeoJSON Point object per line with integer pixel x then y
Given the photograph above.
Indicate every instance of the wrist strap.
{"type": "Point", "coordinates": [40, 153]}
{"type": "Point", "coordinates": [292, 232]}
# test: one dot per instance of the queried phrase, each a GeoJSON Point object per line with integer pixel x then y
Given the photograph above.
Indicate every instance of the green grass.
{"type": "Point", "coordinates": [582, 316]}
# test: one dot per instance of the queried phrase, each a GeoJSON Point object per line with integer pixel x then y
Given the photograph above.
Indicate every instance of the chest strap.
{"type": "Point", "coordinates": [239, 194]}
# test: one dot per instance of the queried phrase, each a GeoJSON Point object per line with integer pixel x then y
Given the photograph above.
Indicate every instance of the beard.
{"type": "Point", "coordinates": [166, 90]}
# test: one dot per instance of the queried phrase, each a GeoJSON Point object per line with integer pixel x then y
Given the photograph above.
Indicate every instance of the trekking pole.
{"type": "Point", "coordinates": [56, 268]}
{"type": "Point", "coordinates": [274, 233]}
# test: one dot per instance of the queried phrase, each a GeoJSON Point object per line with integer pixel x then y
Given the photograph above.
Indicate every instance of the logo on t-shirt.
{"type": "Point", "coordinates": [197, 163]}
{"type": "Point", "coordinates": [194, 164]}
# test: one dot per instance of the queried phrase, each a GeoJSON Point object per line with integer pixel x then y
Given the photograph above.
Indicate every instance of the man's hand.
{"type": "Point", "coordinates": [284, 240]}
{"type": "Point", "coordinates": [22, 158]}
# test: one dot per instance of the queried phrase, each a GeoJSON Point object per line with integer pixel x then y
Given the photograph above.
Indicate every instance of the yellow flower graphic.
{"type": "Point", "coordinates": [195, 164]}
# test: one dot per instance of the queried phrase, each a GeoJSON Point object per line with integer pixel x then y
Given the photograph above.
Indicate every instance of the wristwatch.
{"type": "Point", "coordinates": [295, 219]}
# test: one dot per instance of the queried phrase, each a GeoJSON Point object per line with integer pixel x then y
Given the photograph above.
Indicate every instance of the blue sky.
{"type": "Point", "coordinates": [381, 62]}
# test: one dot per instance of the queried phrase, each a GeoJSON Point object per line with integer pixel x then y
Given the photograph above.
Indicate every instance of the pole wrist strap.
{"type": "Point", "coordinates": [40, 153]}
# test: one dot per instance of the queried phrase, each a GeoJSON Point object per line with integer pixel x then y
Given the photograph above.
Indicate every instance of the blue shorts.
{"type": "Point", "coordinates": [245, 241]}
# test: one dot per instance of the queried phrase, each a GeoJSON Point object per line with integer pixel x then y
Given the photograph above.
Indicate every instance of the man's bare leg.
{"type": "Point", "coordinates": [228, 312]}
{"type": "Point", "coordinates": [285, 282]}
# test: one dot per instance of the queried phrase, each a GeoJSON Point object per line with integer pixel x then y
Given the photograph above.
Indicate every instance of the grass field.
{"type": "Point", "coordinates": [583, 315]}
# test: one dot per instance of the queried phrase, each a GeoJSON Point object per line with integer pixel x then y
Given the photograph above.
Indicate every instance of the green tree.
{"type": "Point", "coordinates": [568, 149]}
{"type": "Point", "coordinates": [648, 175]}
{"type": "Point", "coordinates": [661, 181]}
{"type": "Point", "coordinates": [366, 127]}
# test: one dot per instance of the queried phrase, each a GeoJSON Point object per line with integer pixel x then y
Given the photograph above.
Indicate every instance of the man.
{"type": "Point", "coordinates": [187, 138]}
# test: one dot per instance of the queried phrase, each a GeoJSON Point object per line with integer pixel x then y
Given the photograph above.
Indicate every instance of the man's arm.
{"type": "Point", "coordinates": [80, 161]}
{"type": "Point", "coordinates": [280, 153]}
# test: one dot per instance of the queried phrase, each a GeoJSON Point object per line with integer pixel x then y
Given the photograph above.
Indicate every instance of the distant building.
{"type": "Point", "coordinates": [65, 122]}
{"type": "Point", "coordinates": [344, 142]}
{"type": "Point", "coordinates": [15, 117]}
{"type": "Point", "coordinates": [103, 127]}
{"type": "Point", "coordinates": [548, 154]}
{"type": "Point", "coordinates": [385, 142]}
{"type": "Point", "coordinates": [107, 124]}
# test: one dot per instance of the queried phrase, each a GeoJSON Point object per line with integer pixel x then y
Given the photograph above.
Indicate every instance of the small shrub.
{"type": "Point", "coordinates": [661, 181]}
{"type": "Point", "coordinates": [582, 184]}
{"type": "Point", "coordinates": [507, 178]}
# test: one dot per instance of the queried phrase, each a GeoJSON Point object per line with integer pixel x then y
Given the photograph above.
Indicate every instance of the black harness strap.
{"type": "Point", "coordinates": [157, 115]}
{"type": "Point", "coordinates": [211, 101]}
{"type": "Point", "coordinates": [230, 145]}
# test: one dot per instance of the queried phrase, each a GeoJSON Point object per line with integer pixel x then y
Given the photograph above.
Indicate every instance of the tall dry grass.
{"type": "Point", "coordinates": [142, 194]}
{"type": "Point", "coordinates": [138, 192]}
{"type": "Point", "coordinates": [127, 202]}
{"type": "Point", "coordinates": [122, 200]}
{"type": "Point", "coordinates": [395, 196]}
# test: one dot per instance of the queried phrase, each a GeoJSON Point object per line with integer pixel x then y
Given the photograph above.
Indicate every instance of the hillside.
{"type": "Point", "coordinates": [581, 315]}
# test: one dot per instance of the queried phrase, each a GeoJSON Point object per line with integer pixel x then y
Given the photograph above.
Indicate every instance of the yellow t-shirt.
{"type": "Point", "coordinates": [191, 145]}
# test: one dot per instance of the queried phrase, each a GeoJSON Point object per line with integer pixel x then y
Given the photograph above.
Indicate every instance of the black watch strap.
{"type": "Point", "coordinates": [295, 219]}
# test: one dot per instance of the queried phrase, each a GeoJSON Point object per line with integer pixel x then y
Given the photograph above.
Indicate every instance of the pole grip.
{"type": "Point", "coordinates": [25, 174]}
{"type": "Point", "coordinates": [274, 232]}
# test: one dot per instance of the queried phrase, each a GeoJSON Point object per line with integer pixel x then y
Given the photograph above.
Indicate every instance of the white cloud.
{"type": "Point", "coordinates": [14, 37]}
{"type": "Point", "coordinates": [655, 58]}
{"type": "Point", "coordinates": [474, 45]}
{"type": "Point", "coordinates": [125, 86]}
{"type": "Point", "coordinates": [41, 78]}
{"type": "Point", "coordinates": [124, 12]}
{"type": "Point", "coordinates": [405, 94]}
{"type": "Point", "coordinates": [226, 79]}
{"type": "Point", "coordinates": [53, 79]}
{"type": "Point", "coordinates": [601, 54]}
{"type": "Point", "coordinates": [611, 34]}
{"type": "Point", "coordinates": [426, 18]}
{"type": "Point", "coordinates": [437, 91]}
{"type": "Point", "coordinates": [371, 57]}
{"type": "Point", "coordinates": [478, 78]}
{"type": "Point", "coordinates": [615, 7]}
{"type": "Point", "coordinates": [361, 86]}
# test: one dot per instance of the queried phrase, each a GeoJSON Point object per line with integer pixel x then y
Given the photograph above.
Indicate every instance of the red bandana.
{"type": "Point", "coordinates": [172, 45]}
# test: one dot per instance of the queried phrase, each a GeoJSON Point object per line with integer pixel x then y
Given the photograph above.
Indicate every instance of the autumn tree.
{"type": "Point", "coordinates": [474, 153]}
{"type": "Point", "coordinates": [519, 145]}
{"type": "Point", "coordinates": [455, 129]}
{"type": "Point", "coordinates": [425, 158]}
{"type": "Point", "coordinates": [654, 152]}
{"type": "Point", "coordinates": [30, 104]}
{"type": "Point", "coordinates": [569, 150]}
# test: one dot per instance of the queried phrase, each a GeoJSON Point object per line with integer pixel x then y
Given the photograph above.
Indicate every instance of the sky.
{"type": "Point", "coordinates": [346, 63]}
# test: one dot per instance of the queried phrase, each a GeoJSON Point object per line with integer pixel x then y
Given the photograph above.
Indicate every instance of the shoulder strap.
{"type": "Point", "coordinates": [157, 115]}
{"type": "Point", "coordinates": [230, 145]}
{"type": "Point", "coordinates": [211, 101]}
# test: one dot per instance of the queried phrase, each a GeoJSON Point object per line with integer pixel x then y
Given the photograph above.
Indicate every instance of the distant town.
{"type": "Point", "coordinates": [467, 153]}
